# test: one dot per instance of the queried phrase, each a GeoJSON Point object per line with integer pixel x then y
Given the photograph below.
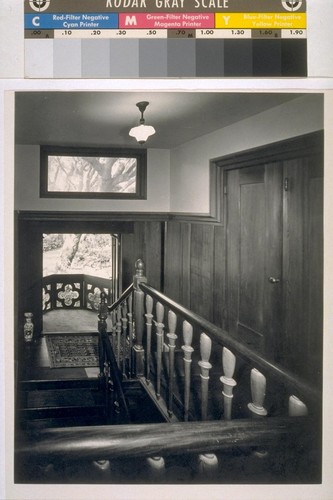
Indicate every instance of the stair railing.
{"type": "Point", "coordinates": [121, 315]}
{"type": "Point", "coordinates": [140, 313]}
{"type": "Point", "coordinates": [147, 440]}
{"type": "Point", "coordinates": [154, 359]}
{"type": "Point", "coordinates": [138, 316]}
{"type": "Point", "coordinates": [109, 367]}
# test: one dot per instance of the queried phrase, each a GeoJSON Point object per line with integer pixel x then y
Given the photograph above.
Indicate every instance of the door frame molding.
{"type": "Point", "coordinates": [308, 145]}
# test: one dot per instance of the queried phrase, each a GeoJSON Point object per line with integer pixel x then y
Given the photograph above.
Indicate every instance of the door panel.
{"type": "Point", "coordinates": [252, 257]}
{"type": "Point", "coordinates": [274, 259]}
{"type": "Point", "coordinates": [254, 210]}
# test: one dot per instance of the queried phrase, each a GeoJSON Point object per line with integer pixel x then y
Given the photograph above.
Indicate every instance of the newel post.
{"type": "Point", "coordinates": [139, 319]}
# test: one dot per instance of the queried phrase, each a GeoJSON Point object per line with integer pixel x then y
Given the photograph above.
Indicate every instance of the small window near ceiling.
{"type": "Point", "coordinates": [93, 173]}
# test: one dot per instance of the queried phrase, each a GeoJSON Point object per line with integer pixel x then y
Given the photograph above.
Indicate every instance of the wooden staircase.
{"type": "Point", "coordinates": [73, 403]}
{"type": "Point", "coordinates": [190, 404]}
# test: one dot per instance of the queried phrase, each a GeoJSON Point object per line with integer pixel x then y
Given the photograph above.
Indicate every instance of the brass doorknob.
{"type": "Point", "coordinates": [273, 280]}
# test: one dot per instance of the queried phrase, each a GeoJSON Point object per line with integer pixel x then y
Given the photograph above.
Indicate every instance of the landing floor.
{"type": "Point", "coordinates": [37, 365]}
{"type": "Point", "coordinates": [69, 321]}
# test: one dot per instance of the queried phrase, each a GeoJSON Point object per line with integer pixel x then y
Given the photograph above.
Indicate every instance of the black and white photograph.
{"type": "Point", "coordinates": [176, 338]}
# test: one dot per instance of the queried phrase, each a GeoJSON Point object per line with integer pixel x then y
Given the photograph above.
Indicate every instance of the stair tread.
{"type": "Point", "coordinates": [61, 397]}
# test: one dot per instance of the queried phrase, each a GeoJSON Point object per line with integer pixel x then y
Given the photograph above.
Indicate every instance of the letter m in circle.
{"type": "Point", "coordinates": [130, 21]}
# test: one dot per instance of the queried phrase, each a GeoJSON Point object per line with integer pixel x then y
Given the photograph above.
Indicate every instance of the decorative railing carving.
{"type": "Point", "coordinates": [71, 291]}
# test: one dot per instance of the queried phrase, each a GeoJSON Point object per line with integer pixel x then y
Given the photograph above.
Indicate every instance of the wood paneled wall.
{"type": "Point", "coordinates": [146, 243]}
{"type": "Point", "coordinates": [195, 256]}
{"type": "Point", "coordinates": [194, 267]}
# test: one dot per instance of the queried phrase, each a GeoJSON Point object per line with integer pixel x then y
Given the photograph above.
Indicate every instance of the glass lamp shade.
{"type": "Point", "coordinates": [142, 132]}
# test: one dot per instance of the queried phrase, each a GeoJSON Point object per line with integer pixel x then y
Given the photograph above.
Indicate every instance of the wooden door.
{"type": "Point", "coordinates": [274, 254]}
{"type": "Point", "coordinates": [254, 254]}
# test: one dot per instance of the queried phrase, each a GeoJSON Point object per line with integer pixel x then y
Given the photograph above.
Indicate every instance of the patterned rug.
{"type": "Point", "coordinates": [72, 351]}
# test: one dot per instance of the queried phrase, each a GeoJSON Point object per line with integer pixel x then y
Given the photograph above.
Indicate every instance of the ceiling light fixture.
{"type": "Point", "coordinates": [142, 131]}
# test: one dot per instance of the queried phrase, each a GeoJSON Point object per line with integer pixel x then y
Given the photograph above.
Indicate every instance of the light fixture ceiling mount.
{"type": "Point", "coordinates": [142, 131]}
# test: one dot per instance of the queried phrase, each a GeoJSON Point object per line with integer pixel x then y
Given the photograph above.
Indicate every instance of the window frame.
{"type": "Point", "coordinates": [141, 171]}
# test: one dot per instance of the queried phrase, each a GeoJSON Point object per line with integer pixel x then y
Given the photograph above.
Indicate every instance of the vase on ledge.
{"type": "Point", "coordinates": [28, 328]}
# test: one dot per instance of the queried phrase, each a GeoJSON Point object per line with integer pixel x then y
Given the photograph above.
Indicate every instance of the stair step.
{"type": "Point", "coordinates": [61, 403]}
{"type": "Point", "coordinates": [61, 397]}
{"type": "Point", "coordinates": [60, 412]}
{"type": "Point", "coordinates": [58, 402]}
{"type": "Point", "coordinates": [31, 385]}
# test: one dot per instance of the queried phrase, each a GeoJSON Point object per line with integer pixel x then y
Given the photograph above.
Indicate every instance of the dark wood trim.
{"type": "Point", "coordinates": [97, 442]}
{"type": "Point", "coordinates": [287, 149]}
{"type": "Point", "coordinates": [141, 171]}
{"type": "Point", "coordinates": [112, 218]}
{"type": "Point", "coordinates": [95, 217]}
{"type": "Point", "coordinates": [61, 222]}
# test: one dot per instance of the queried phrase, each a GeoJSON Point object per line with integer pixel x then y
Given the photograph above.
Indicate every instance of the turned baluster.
{"type": "Point", "coordinates": [188, 349]}
{"type": "Point", "coordinates": [130, 331]}
{"type": "Point", "coordinates": [118, 330]}
{"type": "Point", "coordinates": [258, 392]}
{"type": "Point", "coordinates": [139, 318]}
{"type": "Point", "coordinates": [208, 465]}
{"type": "Point", "coordinates": [228, 363]}
{"type": "Point", "coordinates": [159, 345]}
{"type": "Point", "coordinates": [296, 407]}
{"type": "Point", "coordinates": [124, 322]}
{"type": "Point", "coordinates": [156, 466]}
{"type": "Point", "coordinates": [102, 467]}
{"type": "Point", "coordinates": [172, 322]}
{"type": "Point", "coordinates": [149, 316]}
{"type": "Point", "coordinates": [208, 462]}
{"type": "Point", "coordinates": [205, 366]}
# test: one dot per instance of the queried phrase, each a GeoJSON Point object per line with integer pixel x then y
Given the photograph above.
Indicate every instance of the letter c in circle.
{"type": "Point", "coordinates": [36, 21]}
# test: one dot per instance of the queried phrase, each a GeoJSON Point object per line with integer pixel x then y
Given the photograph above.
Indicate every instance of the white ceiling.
{"type": "Point", "coordinates": [104, 118]}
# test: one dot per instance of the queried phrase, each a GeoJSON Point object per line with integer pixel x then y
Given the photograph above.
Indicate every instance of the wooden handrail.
{"type": "Point", "coordinates": [277, 372]}
{"type": "Point", "coordinates": [115, 373]}
{"type": "Point", "coordinates": [106, 353]}
{"type": "Point", "coordinates": [121, 299]}
{"type": "Point", "coordinates": [107, 442]}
